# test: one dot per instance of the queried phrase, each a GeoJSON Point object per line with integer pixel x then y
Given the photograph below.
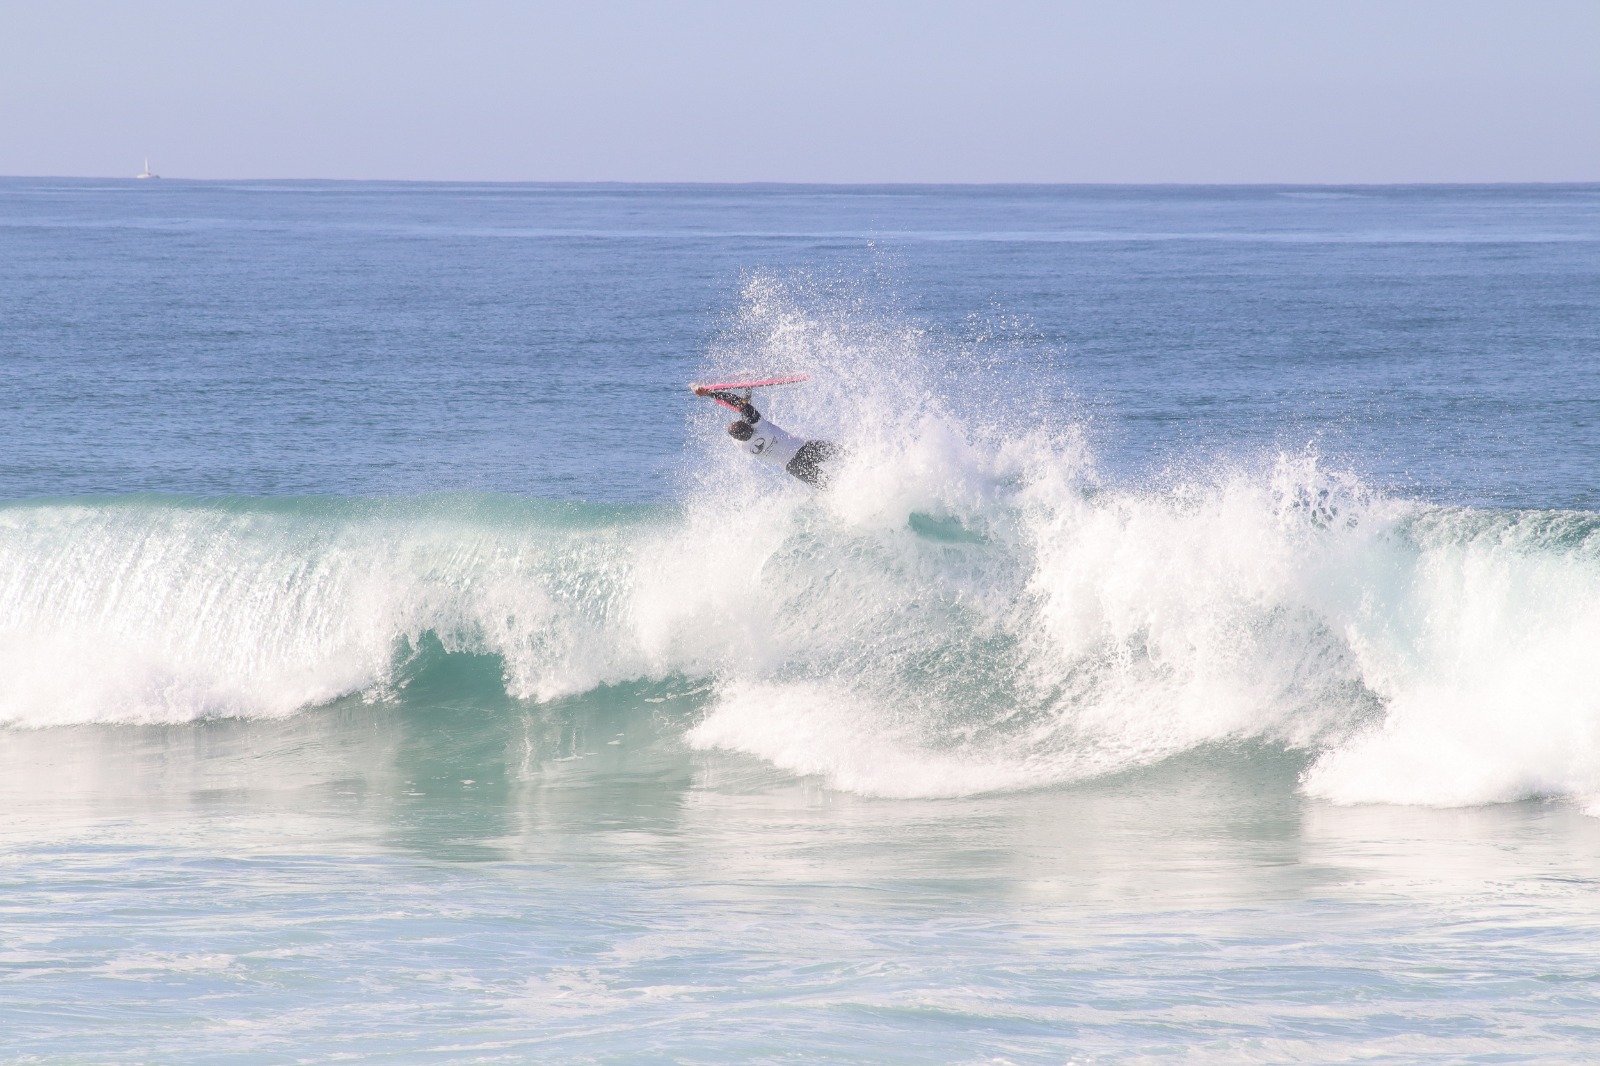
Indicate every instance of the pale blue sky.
{"type": "Point", "coordinates": [1131, 90]}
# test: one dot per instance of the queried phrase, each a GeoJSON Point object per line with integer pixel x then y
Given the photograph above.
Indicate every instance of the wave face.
{"type": "Point", "coordinates": [1039, 630]}
{"type": "Point", "coordinates": [969, 608]}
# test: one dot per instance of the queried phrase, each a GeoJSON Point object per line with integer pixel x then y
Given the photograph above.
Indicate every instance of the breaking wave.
{"type": "Point", "coordinates": [969, 608]}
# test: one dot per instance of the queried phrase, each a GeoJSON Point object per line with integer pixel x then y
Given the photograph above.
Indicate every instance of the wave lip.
{"type": "Point", "coordinates": [1484, 661]}
{"type": "Point", "coordinates": [148, 610]}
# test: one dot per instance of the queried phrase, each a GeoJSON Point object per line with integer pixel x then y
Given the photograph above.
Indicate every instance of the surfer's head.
{"type": "Point", "coordinates": [740, 430]}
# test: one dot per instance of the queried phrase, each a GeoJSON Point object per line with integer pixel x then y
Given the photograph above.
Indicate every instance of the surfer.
{"type": "Point", "coordinates": [758, 436]}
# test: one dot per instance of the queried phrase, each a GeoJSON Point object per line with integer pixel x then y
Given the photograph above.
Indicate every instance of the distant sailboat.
{"type": "Point", "coordinates": [147, 173]}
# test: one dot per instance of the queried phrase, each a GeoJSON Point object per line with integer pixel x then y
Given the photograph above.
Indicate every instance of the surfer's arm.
{"type": "Point", "coordinates": [746, 409]}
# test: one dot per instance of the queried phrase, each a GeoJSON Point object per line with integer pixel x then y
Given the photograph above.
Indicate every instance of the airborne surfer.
{"type": "Point", "coordinates": [758, 436]}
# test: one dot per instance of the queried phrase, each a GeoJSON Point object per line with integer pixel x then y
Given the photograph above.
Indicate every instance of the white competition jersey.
{"type": "Point", "coordinates": [770, 442]}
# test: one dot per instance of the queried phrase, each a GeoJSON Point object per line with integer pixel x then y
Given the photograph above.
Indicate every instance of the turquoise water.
{"type": "Point", "coordinates": [1191, 660]}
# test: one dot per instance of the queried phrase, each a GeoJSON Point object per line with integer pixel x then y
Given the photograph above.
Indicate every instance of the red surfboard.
{"type": "Point", "coordinates": [734, 386]}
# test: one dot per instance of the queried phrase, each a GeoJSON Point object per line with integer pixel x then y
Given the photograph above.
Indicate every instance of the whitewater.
{"type": "Point", "coordinates": [373, 688]}
{"type": "Point", "coordinates": [1038, 629]}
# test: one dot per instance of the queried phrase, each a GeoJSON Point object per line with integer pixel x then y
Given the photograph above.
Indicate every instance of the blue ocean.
{"type": "Point", "coordinates": [1194, 655]}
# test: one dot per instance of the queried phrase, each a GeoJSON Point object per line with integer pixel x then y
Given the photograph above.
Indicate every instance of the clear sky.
{"type": "Point", "coordinates": [1114, 91]}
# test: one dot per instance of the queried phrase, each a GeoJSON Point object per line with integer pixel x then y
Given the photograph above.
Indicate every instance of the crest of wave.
{"type": "Point", "coordinates": [968, 607]}
{"type": "Point", "coordinates": [168, 611]}
{"type": "Point", "coordinates": [1477, 632]}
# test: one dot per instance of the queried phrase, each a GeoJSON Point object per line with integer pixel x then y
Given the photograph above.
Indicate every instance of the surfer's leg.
{"type": "Point", "coordinates": [807, 462]}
